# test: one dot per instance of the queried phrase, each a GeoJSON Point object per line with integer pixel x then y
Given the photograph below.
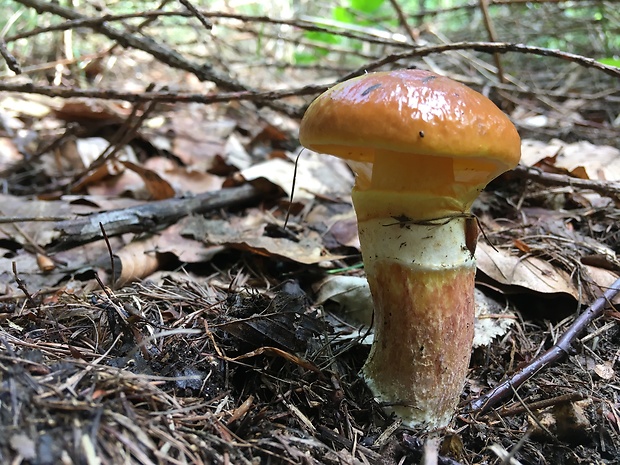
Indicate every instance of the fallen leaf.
{"type": "Point", "coordinates": [584, 159]}
{"type": "Point", "coordinates": [184, 180]}
{"type": "Point", "coordinates": [155, 185]}
{"type": "Point", "coordinates": [605, 370]}
{"type": "Point", "coordinates": [316, 175]}
{"type": "Point", "coordinates": [86, 109]}
{"type": "Point", "coordinates": [184, 248]}
{"type": "Point", "coordinates": [138, 260]}
{"type": "Point", "coordinates": [198, 141]}
{"type": "Point", "coordinates": [352, 295]}
{"type": "Point", "coordinates": [9, 154]}
{"type": "Point", "coordinates": [529, 273]}
{"type": "Point", "coordinates": [492, 319]}
{"type": "Point", "coordinates": [249, 233]}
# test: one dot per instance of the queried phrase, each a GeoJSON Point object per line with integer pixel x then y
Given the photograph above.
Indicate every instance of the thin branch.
{"type": "Point", "coordinates": [270, 96]}
{"type": "Point", "coordinates": [402, 19]}
{"type": "Point", "coordinates": [162, 95]}
{"type": "Point", "coordinates": [301, 23]}
{"type": "Point", "coordinates": [493, 37]}
{"type": "Point", "coordinates": [204, 72]}
{"type": "Point", "coordinates": [608, 188]}
{"type": "Point", "coordinates": [11, 61]}
{"type": "Point", "coordinates": [207, 24]}
{"type": "Point", "coordinates": [556, 353]}
{"type": "Point", "coordinates": [487, 47]}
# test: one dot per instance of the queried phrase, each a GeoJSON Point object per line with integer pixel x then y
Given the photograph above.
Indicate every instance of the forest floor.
{"type": "Point", "coordinates": [164, 301]}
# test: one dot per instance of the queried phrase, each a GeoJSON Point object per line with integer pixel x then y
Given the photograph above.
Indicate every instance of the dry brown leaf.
{"type": "Point", "coordinates": [9, 154]}
{"type": "Point", "coordinates": [84, 109]}
{"type": "Point", "coordinates": [582, 159]}
{"type": "Point", "coordinates": [127, 183]}
{"type": "Point", "coordinates": [155, 185]}
{"type": "Point", "coordinates": [492, 319]}
{"type": "Point", "coordinates": [185, 249]}
{"type": "Point", "coordinates": [198, 141]}
{"type": "Point", "coordinates": [45, 263]}
{"type": "Point", "coordinates": [605, 370]}
{"type": "Point", "coordinates": [316, 175]}
{"type": "Point", "coordinates": [597, 280]}
{"type": "Point", "coordinates": [138, 260]}
{"type": "Point", "coordinates": [182, 179]}
{"type": "Point", "coordinates": [352, 295]}
{"type": "Point", "coordinates": [248, 233]}
{"type": "Point", "coordinates": [340, 222]}
{"type": "Point", "coordinates": [530, 273]}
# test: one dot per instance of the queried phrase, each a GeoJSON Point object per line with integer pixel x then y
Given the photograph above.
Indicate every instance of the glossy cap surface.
{"type": "Point", "coordinates": [410, 111]}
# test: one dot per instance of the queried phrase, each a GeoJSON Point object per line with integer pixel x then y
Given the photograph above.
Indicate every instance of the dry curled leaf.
{"type": "Point", "coordinates": [138, 260]}
{"type": "Point", "coordinates": [527, 272]}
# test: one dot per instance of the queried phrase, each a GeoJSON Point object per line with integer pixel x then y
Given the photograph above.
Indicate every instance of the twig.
{"type": "Point", "coordinates": [402, 19]}
{"type": "Point", "coordinates": [150, 217]}
{"type": "Point", "coordinates": [207, 24]}
{"type": "Point", "coordinates": [559, 350]}
{"type": "Point", "coordinates": [488, 23]}
{"type": "Point", "coordinates": [487, 47]}
{"type": "Point", "coordinates": [300, 23]}
{"type": "Point", "coordinates": [11, 61]}
{"type": "Point", "coordinates": [204, 72]}
{"type": "Point", "coordinates": [161, 95]}
{"type": "Point", "coordinates": [541, 404]}
{"type": "Point", "coordinates": [22, 286]}
{"type": "Point", "coordinates": [608, 188]}
{"type": "Point", "coordinates": [110, 254]}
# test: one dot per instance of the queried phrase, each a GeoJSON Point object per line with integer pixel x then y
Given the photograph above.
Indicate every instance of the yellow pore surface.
{"type": "Point", "coordinates": [418, 186]}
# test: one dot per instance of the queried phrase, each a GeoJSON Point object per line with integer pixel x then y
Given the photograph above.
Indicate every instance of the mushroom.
{"type": "Point", "coordinates": [422, 147]}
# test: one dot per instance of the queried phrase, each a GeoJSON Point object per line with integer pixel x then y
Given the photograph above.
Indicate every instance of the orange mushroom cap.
{"type": "Point", "coordinates": [439, 127]}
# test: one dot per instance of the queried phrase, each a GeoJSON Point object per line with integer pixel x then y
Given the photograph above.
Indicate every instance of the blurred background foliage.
{"type": "Point", "coordinates": [586, 27]}
{"type": "Point", "coordinates": [278, 44]}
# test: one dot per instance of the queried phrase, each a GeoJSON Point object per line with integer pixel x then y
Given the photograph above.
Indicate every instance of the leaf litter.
{"type": "Point", "coordinates": [222, 336]}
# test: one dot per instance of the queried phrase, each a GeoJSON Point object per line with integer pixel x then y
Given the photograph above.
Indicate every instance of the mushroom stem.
{"type": "Point", "coordinates": [421, 277]}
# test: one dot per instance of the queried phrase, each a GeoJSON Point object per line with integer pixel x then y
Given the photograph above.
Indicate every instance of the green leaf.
{"type": "Point", "coordinates": [303, 58]}
{"type": "Point", "coordinates": [343, 15]}
{"type": "Point", "coordinates": [324, 37]}
{"type": "Point", "coordinates": [367, 6]}
{"type": "Point", "coordinates": [610, 62]}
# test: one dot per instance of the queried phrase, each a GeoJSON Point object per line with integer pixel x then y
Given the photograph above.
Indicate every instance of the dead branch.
{"type": "Point", "coordinates": [161, 95]}
{"type": "Point", "coordinates": [269, 96]}
{"type": "Point", "coordinates": [608, 188]}
{"type": "Point", "coordinates": [305, 24]}
{"type": "Point", "coordinates": [11, 61]}
{"type": "Point", "coordinates": [207, 24]}
{"type": "Point", "coordinates": [488, 47]}
{"type": "Point", "coordinates": [493, 37]}
{"type": "Point", "coordinates": [203, 72]}
{"type": "Point", "coordinates": [560, 349]}
{"type": "Point", "coordinates": [150, 217]}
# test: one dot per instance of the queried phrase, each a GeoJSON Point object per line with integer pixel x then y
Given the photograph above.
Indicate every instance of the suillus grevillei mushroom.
{"type": "Point", "coordinates": [422, 147]}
